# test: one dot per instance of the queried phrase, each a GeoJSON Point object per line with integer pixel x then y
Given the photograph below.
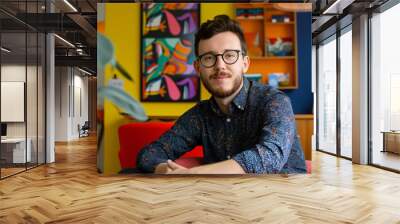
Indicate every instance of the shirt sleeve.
{"type": "Point", "coordinates": [184, 135]}
{"type": "Point", "coordinates": [271, 152]}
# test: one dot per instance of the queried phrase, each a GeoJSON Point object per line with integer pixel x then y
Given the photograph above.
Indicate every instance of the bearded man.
{"type": "Point", "coordinates": [245, 127]}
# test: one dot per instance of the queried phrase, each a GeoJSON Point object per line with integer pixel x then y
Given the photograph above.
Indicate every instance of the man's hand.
{"type": "Point", "coordinates": [177, 169]}
{"type": "Point", "coordinates": [224, 167]}
{"type": "Point", "coordinates": [162, 168]}
{"type": "Point", "coordinates": [171, 167]}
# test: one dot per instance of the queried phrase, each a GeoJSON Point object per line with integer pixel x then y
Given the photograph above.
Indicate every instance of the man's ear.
{"type": "Point", "coordinates": [197, 66]}
{"type": "Point", "coordinates": [246, 63]}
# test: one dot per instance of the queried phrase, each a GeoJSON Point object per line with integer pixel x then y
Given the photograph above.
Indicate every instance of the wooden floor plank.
{"type": "Point", "coordinates": [71, 191]}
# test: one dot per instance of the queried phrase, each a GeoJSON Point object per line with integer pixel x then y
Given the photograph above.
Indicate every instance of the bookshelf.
{"type": "Point", "coordinates": [271, 38]}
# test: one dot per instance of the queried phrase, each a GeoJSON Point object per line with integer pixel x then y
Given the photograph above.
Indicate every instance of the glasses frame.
{"type": "Point", "coordinates": [222, 56]}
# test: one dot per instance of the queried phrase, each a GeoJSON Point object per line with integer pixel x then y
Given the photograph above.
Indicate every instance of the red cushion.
{"type": "Point", "coordinates": [134, 136]}
{"type": "Point", "coordinates": [195, 152]}
{"type": "Point", "coordinates": [189, 162]}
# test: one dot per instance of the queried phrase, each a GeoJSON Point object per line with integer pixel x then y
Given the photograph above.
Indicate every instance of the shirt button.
{"type": "Point", "coordinates": [228, 120]}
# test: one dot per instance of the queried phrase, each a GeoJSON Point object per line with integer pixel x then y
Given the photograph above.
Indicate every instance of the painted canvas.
{"type": "Point", "coordinates": [167, 51]}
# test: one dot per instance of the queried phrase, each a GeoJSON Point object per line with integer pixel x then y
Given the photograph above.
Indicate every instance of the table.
{"type": "Point", "coordinates": [391, 141]}
{"type": "Point", "coordinates": [15, 148]}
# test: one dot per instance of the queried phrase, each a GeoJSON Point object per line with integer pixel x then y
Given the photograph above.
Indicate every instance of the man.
{"type": "Point", "coordinates": [245, 127]}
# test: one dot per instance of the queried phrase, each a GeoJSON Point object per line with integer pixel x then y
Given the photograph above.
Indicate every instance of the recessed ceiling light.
{"type": "Point", "coordinates": [64, 40]}
{"type": "Point", "coordinates": [337, 7]}
{"type": "Point", "coordinates": [84, 71]}
{"type": "Point", "coordinates": [5, 50]}
{"type": "Point", "coordinates": [70, 5]}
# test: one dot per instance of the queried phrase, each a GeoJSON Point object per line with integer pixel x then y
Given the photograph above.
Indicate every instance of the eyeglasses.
{"type": "Point", "coordinates": [209, 59]}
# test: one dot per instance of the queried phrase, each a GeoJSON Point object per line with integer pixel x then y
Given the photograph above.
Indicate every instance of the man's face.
{"type": "Point", "coordinates": [222, 79]}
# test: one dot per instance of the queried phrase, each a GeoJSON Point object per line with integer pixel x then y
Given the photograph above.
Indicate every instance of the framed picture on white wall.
{"type": "Point", "coordinates": [12, 101]}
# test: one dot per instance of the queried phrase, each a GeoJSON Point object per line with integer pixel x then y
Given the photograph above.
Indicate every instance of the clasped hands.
{"type": "Point", "coordinates": [170, 167]}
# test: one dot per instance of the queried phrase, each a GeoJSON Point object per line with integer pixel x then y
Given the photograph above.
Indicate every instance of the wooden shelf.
{"type": "Point", "coordinates": [304, 116]}
{"type": "Point", "coordinates": [252, 5]}
{"type": "Point", "coordinates": [272, 57]}
{"type": "Point", "coordinates": [287, 87]}
{"type": "Point", "coordinates": [280, 23]}
{"type": "Point", "coordinates": [258, 33]}
{"type": "Point", "coordinates": [250, 19]}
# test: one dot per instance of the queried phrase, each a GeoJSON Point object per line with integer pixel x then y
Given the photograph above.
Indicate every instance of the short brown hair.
{"type": "Point", "coordinates": [221, 23]}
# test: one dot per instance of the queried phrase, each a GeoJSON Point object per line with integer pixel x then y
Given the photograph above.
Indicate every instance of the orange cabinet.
{"type": "Point", "coordinates": [305, 130]}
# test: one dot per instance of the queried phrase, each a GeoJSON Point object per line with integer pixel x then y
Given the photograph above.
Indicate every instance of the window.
{"type": "Point", "coordinates": [385, 85]}
{"type": "Point", "coordinates": [346, 93]}
{"type": "Point", "coordinates": [22, 104]}
{"type": "Point", "coordinates": [326, 94]}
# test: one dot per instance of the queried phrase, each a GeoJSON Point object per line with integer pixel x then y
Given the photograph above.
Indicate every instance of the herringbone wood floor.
{"type": "Point", "coordinates": [71, 191]}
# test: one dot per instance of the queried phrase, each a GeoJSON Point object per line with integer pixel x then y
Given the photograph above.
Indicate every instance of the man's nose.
{"type": "Point", "coordinates": [219, 64]}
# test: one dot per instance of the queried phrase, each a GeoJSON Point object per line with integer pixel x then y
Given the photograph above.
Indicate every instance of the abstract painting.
{"type": "Point", "coordinates": [167, 52]}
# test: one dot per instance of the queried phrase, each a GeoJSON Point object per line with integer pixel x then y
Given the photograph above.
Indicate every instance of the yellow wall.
{"type": "Point", "coordinates": [122, 26]}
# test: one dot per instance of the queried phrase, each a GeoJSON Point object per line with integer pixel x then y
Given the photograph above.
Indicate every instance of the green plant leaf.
{"type": "Point", "coordinates": [105, 55]}
{"type": "Point", "coordinates": [123, 101]}
{"type": "Point", "coordinates": [123, 71]}
{"type": "Point", "coordinates": [105, 51]}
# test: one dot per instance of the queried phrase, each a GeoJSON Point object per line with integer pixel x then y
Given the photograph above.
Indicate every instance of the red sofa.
{"type": "Point", "coordinates": [134, 136]}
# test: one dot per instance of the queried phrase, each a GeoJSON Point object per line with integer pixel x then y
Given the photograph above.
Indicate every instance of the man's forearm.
{"type": "Point", "coordinates": [224, 167]}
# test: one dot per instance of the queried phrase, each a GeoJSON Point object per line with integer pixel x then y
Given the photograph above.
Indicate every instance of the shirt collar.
{"type": "Point", "coordinates": [239, 101]}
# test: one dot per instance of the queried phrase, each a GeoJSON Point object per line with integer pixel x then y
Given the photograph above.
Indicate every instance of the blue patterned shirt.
{"type": "Point", "coordinates": [259, 133]}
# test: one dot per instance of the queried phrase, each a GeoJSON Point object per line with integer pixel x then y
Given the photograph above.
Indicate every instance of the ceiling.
{"type": "Point", "coordinates": [76, 25]}
{"type": "Point", "coordinates": [331, 15]}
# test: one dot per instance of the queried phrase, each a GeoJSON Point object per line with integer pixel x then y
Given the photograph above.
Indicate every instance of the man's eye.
{"type": "Point", "coordinates": [229, 55]}
{"type": "Point", "coordinates": [208, 57]}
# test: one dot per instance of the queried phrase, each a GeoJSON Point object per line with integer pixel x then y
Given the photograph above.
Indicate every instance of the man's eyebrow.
{"type": "Point", "coordinates": [214, 52]}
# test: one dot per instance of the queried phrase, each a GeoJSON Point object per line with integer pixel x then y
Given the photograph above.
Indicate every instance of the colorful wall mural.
{"type": "Point", "coordinates": [167, 52]}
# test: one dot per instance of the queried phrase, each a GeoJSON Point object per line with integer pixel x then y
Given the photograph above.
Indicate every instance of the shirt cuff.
{"type": "Point", "coordinates": [239, 158]}
{"type": "Point", "coordinates": [250, 161]}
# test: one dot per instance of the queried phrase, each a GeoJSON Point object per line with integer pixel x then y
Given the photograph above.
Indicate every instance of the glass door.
{"type": "Point", "coordinates": [326, 96]}
{"type": "Point", "coordinates": [13, 105]}
{"type": "Point", "coordinates": [22, 76]}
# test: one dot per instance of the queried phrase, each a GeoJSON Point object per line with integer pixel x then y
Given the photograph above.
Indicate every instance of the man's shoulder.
{"type": "Point", "coordinates": [264, 92]}
{"type": "Point", "coordinates": [198, 108]}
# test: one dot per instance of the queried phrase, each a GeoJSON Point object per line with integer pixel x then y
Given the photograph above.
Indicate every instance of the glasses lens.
{"type": "Point", "coordinates": [230, 57]}
{"type": "Point", "coordinates": [208, 60]}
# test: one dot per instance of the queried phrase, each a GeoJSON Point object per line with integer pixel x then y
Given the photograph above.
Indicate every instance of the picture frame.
{"type": "Point", "coordinates": [167, 52]}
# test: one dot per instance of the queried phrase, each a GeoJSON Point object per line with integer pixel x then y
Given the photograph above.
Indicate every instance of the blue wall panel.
{"type": "Point", "coordinates": [302, 98]}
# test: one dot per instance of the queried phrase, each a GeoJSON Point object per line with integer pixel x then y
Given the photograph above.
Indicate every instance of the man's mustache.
{"type": "Point", "coordinates": [221, 75]}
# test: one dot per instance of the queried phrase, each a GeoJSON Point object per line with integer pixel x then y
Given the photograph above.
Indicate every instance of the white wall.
{"type": "Point", "coordinates": [33, 126]}
{"type": "Point", "coordinates": [61, 103]}
{"type": "Point", "coordinates": [16, 73]}
{"type": "Point", "coordinates": [71, 94]}
{"type": "Point", "coordinates": [12, 101]}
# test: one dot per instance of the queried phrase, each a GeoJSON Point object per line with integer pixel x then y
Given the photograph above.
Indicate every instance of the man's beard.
{"type": "Point", "coordinates": [219, 92]}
